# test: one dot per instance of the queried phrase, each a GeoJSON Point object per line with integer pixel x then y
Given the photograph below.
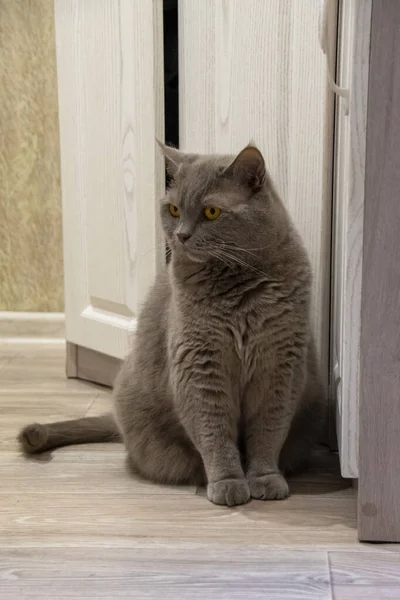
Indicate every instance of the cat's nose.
{"type": "Point", "coordinates": [183, 236]}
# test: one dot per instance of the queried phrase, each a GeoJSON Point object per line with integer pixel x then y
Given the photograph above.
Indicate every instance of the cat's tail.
{"type": "Point", "coordinates": [38, 437]}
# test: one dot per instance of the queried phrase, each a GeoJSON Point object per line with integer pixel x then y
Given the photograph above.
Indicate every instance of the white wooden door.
{"type": "Point", "coordinates": [109, 59]}
{"type": "Point", "coordinates": [254, 70]}
{"type": "Point", "coordinates": [350, 139]}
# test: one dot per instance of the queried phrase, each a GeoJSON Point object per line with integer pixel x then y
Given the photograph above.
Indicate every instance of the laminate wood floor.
{"type": "Point", "coordinates": [75, 524]}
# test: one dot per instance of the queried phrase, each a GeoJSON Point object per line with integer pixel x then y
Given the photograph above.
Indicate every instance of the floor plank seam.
{"type": "Point", "coordinates": [333, 595]}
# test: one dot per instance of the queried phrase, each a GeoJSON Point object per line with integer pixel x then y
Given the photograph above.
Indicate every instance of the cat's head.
{"type": "Point", "coordinates": [216, 204]}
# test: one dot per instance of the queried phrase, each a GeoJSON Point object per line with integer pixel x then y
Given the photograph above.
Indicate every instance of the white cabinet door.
{"type": "Point", "coordinates": [254, 70]}
{"type": "Point", "coordinates": [109, 59]}
{"type": "Point", "coordinates": [353, 47]}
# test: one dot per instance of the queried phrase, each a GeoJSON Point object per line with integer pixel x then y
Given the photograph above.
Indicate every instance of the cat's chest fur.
{"type": "Point", "coordinates": [222, 338]}
{"type": "Point", "coordinates": [248, 339]}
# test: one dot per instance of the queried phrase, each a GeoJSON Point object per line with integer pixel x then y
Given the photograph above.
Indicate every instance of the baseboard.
{"type": "Point", "coordinates": [32, 325]}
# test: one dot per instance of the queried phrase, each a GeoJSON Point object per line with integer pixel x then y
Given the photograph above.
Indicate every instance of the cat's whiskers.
{"type": "Point", "coordinates": [236, 245]}
{"type": "Point", "coordinates": [223, 260]}
{"type": "Point", "coordinates": [224, 246]}
{"type": "Point", "coordinates": [239, 261]}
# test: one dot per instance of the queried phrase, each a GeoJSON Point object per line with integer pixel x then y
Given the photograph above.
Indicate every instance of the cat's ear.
{"type": "Point", "coordinates": [173, 157]}
{"type": "Point", "coordinates": [248, 168]}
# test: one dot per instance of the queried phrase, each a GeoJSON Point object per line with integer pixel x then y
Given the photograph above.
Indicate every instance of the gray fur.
{"type": "Point", "coordinates": [222, 386]}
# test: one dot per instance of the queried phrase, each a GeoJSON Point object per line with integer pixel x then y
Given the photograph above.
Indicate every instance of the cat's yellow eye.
{"type": "Point", "coordinates": [174, 210]}
{"type": "Point", "coordinates": [212, 212]}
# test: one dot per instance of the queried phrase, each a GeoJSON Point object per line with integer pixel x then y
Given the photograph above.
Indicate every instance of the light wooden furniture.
{"type": "Point", "coordinates": [348, 220]}
{"type": "Point", "coordinates": [379, 444]}
{"type": "Point", "coordinates": [109, 61]}
{"type": "Point", "coordinates": [77, 524]}
{"type": "Point", "coordinates": [88, 364]}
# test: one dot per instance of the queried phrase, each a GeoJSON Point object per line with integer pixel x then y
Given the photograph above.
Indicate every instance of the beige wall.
{"type": "Point", "coordinates": [31, 270]}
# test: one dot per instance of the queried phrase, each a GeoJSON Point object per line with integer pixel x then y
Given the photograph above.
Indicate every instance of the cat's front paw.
{"type": "Point", "coordinates": [269, 487]}
{"type": "Point", "coordinates": [229, 492]}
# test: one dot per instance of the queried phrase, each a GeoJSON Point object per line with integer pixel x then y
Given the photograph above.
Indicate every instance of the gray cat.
{"type": "Point", "coordinates": [222, 387]}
